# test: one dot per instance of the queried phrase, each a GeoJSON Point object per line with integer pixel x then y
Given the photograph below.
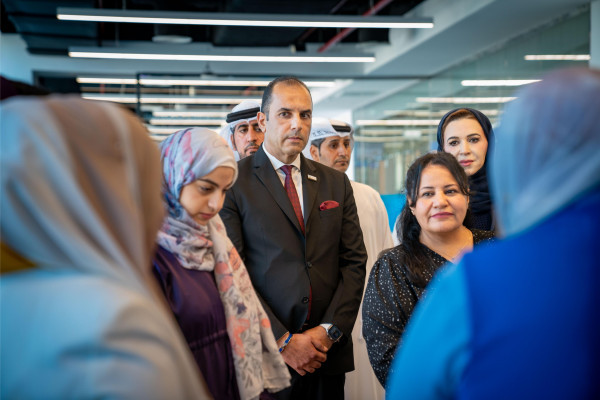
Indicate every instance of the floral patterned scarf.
{"type": "Point", "coordinates": [188, 155]}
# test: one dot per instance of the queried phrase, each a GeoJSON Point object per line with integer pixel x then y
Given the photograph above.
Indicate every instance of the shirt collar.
{"type": "Point", "coordinates": [278, 164]}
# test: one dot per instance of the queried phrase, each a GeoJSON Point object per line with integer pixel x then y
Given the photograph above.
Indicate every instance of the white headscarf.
{"type": "Point", "coordinates": [244, 112]}
{"type": "Point", "coordinates": [547, 148]}
{"type": "Point", "coordinates": [322, 128]}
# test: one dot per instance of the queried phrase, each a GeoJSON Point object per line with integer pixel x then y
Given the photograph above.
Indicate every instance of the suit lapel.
{"type": "Point", "coordinates": [263, 169]}
{"type": "Point", "coordinates": [309, 187]}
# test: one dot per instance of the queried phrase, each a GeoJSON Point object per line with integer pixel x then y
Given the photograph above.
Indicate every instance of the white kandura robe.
{"type": "Point", "coordinates": [361, 383]}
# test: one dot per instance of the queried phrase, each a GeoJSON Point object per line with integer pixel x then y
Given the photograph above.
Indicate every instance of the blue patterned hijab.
{"type": "Point", "coordinates": [188, 155]}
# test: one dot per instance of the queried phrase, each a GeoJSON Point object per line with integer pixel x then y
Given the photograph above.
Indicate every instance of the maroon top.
{"type": "Point", "coordinates": [195, 301]}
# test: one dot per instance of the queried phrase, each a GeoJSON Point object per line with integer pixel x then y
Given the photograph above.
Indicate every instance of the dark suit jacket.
{"type": "Point", "coordinates": [284, 264]}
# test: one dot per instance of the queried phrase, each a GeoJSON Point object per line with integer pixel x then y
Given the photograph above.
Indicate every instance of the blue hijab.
{"type": "Point", "coordinates": [535, 175]}
{"type": "Point", "coordinates": [480, 203]}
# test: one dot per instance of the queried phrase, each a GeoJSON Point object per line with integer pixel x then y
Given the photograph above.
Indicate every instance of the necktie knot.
{"type": "Point", "coordinates": [290, 188]}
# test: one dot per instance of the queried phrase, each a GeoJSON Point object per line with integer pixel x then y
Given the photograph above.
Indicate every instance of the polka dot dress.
{"type": "Point", "coordinates": [390, 297]}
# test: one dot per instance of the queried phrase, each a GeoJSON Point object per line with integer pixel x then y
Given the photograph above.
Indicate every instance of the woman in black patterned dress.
{"type": "Point", "coordinates": [431, 234]}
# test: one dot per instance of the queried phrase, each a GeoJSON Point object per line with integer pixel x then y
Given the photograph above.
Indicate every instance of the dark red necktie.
{"type": "Point", "coordinates": [290, 188]}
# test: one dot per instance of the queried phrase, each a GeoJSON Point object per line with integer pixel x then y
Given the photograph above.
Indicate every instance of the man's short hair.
{"type": "Point", "coordinates": [268, 93]}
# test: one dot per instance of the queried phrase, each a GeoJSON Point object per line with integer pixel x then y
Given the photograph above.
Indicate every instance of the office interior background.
{"type": "Point", "coordinates": [392, 84]}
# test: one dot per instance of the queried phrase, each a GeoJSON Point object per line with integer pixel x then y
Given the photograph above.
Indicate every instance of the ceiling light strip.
{"type": "Point", "coordinates": [425, 113]}
{"type": "Point", "coordinates": [200, 82]}
{"type": "Point", "coordinates": [189, 114]}
{"type": "Point", "coordinates": [238, 19]}
{"type": "Point", "coordinates": [498, 82]}
{"type": "Point", "coordinates": [226, 58]}
{"type": "Point", "coordinates": [557, 57]}
{"type": "Point", "coordinates": [107, 81]}
{"type": "Point", "coordinates": [168, 99]}
{"type": "Point", "coordinates": [397, 122]}
{"type": "Point", "coordinates": [189, 82]}
{"type": "Point", "coordinates": [464, 100]}
{"type": "Point", "coordinates": [189, 121]}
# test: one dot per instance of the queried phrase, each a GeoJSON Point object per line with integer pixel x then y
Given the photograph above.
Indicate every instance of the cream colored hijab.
{"type": "Point", "coordinates": [81, 183]}
{"type": "Point", "coordinates": [81, 193]}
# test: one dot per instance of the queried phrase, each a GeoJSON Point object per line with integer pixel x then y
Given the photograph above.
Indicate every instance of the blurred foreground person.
{"type": "Point", "coordinates": [432, 234]}
{"type": "Point", "coordinates": [80, 202]}
{"type": "Point", "coordinates": [202, 276]}
{"type": "Point", "coordinates": [520, 319]}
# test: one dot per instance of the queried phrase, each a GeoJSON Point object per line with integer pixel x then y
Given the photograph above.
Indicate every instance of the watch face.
{"type": "Point", "coordinates": [334, 333]}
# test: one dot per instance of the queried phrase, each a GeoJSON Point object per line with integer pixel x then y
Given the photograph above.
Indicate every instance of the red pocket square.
{"type": "Point", "coordinates": [328, 204]}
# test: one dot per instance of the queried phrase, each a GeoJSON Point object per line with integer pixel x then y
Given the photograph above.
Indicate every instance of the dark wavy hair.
{"type": "Point", "coordinates": [409, 230]}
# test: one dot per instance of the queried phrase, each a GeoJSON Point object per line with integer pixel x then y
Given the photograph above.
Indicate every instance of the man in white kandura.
{"type": "Point", "coordinates": [242, 132]}
{"type": "Point", "coordinates": [331, 143]}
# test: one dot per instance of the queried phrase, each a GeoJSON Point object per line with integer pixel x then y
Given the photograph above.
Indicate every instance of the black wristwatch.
{"type": "Point", "coordinates": [334, 333]}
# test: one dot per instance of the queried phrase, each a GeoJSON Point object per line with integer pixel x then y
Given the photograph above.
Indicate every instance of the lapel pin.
{"type": "Point", "coordinates": [312, 178]}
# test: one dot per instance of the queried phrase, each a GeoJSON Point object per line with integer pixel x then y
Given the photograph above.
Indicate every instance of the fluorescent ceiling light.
{"type": "Point", "coordinates": [222, 82]}
{"type": "Point", "coordinates": [239, 19]}
{"type": "Point", "coordinates": [426, 113]}
{"type": "Point", "coordinates": [211, 122]}
{"type": "Point", "coordinates": [557, 57]}
{"type": "Point", "coordinates": [190, 113]}
{"type": "Point", "coordinates": [498, 82]}
{"type": "Point", "coordinates": [108, 81]}
{"type": "Point", "coordinates": [387, 139]}
{"type": "Point", "coordinates": [397, 122]}
{"type": "Point", "coordinates": [213, 57]}
{"type": "Point", "coordinates": [392, 131]}
{"type": "Point", "coordinates": [168, 99]}
{"type": "Point", "coordinates": [464, 100]}
{"type": "Point", "coordinates": [190, 82]}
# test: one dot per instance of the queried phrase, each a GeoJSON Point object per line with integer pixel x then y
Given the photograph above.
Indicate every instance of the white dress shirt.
{"type": "Point", "coordinates": [296, 176]}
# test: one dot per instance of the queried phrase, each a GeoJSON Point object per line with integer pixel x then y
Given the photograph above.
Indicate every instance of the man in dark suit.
{"type": "Point", "coordinates": [295, 225]}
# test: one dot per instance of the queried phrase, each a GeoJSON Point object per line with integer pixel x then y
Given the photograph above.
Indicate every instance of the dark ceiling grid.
{"type": "Point", "coordinates": [35, 20]}
{"type": "Point", "coordinates": [44, 34]}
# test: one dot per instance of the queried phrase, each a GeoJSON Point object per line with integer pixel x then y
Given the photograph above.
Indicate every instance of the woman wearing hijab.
{"type": "Point", "coordinates": [81, 315]}
{"type": "Point", "coordinates": [467, 134]}
{"type": "Point", "coordinates": [520, 319]}
{"type": "Point", "coordinates": [202, 276]}
{"type": "Point", "coordinates": [432, 234]}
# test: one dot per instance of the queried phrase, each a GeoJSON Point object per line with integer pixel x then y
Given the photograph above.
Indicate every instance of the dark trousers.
{"type": "Point", "coordinates": [315, 386]}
